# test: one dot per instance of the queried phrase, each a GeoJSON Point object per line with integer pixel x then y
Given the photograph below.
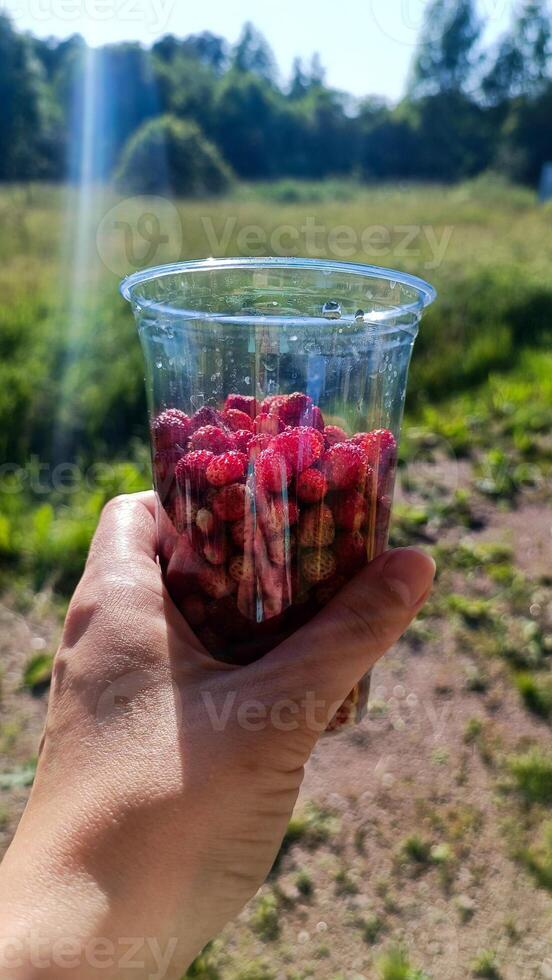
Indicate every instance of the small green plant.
{"type": "Point", "coordinates": [38, 672]}
{"type": "Point", "coordinates": [371, 927]}
{"type": "Point", "coordinates": [344, 884]}
{"type": "Point", "coordinates": [311, 827]}
{"type": "Point", "coordinates": [304, 884]}
{"type": "Point", "coordinates": [485, 965]}
{"type": "Point", "coordinates": [538, 859]}
{"type": "Point", "coordinates": [473, 730]}
{"type": "Point", "coordinates": [265, 918]}
{"type": "Point", "coordinates": [532, 773]}
{"type": "Point", "coordinates": [536, 692]}
{"type": "Point", "coordinates": [416, 849]}
{"type": "Point", "coordinates": [394, 965]}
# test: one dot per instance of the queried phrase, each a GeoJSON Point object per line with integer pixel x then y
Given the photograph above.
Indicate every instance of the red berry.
{"type": "Point", "coordinates": [182, 511]}
{"type": "Point", "coordinates": [316, 527]}
{"type": "Point", "coordinates": [379, 447]}
{"type": "Point", "coordinates": [266, 405]}
{"type": "Point", "coordinates": [317, 420]}
{"type": "Point", "coordinates": [216, 582]}
{"type": "Point", "coordinates": [300, 446]}
{"type": "Point", "coordinates": [282, 549]}
{"type": "Point", "coordinates": [243, 439]}
{"type": "Point", "coordinates": [183, 568]}
{"type": "Point", "coordinates": [317, 566]}
{"type": "Point", "coordinates": [212, 438]}
{"type": "Point", "coordinates": [344, 465]}
{"type": "Point", "coordinates": [237, 533]}
{"type": "Point", "coordinates": [277, 515]}
{"type": "Point", "coordinates": [333, 434]}
{"type": "Point", "coordinates": [242, 403]}
{"type": "Point", "coordinates": [257, 444]}
{"type": "Point", "coordinates": [171, 428]}
{"type": "Point", "coordinates": [268, 425]}
{"type": "Point", "coordinates": [229, 503]}
{"type": "Point", "coordinates": [272, 471]}
{"type": "Point", "coordinates": [206, 416]}
{"type": "Point", "coordinates": [295, 409]}
{"type": "Point", "coordinates": [350, 552]}
{"type": "Point", "coordinates": [242, 569]}
{"type": "Point", "coordinates": [190, 470]}
{"type": "Point", "coordinates": [227, 468]}
{"type": "Point", "coordinates": [349, 510]}
{"type": "Point", "coordinates": [311, 486]}
{"type": "Point", "coordinates": [236, 420]}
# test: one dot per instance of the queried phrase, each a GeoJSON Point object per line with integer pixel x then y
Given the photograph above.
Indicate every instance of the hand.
{"type": "Point", "coordinates": [166, 779]}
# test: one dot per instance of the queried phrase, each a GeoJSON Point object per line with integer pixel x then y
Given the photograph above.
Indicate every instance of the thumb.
{"type": "Point", "coordinates": [329, 655]}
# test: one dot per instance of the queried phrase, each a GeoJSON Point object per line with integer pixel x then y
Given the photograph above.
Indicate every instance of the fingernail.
{"type": "Point", "coordinates": [410, 574]}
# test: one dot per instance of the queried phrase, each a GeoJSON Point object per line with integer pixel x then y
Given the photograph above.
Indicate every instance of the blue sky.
{"type": "Point", "coordinates": [365, 45]}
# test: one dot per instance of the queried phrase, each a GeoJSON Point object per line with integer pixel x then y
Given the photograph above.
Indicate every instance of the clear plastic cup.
{"type": "Point", "coordinates": [276, 390]}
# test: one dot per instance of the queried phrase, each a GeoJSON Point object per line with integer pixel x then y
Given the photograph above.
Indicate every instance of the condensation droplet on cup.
{"type": "Point", "coordinates": [331, 310]}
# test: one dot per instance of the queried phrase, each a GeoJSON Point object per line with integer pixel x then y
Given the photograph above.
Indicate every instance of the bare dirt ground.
{"type": "Point", "coordinates": [418, 765]}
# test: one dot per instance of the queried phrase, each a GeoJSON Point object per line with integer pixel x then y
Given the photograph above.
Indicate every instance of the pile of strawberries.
{"type": "Point", "coordinates": [267, 512]}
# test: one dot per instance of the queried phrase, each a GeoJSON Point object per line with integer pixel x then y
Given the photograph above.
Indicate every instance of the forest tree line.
{"type": "Point", "coordinates": [212, 111]}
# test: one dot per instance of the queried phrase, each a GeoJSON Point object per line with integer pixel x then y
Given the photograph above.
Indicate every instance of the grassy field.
{"type": "Point", "coordinates": [422, 843]}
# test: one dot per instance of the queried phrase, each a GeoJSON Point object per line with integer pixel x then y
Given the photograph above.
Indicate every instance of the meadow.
{"type": "Point", "coordinates": [431, 857]}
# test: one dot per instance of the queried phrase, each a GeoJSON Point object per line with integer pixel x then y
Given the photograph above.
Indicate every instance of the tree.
{"type": "Point", "coordinates": [446, 55]}
{"type": "Point", "coordinates": [522, 59]}
{"type": "Point", "coordinates": [166, 153]}
{"type": "Point", "coordinates": [253, 54]}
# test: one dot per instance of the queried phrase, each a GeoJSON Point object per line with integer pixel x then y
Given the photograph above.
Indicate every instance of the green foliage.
{"type": "Point", "coordinates": [532, 773]}
{"type": "Point", "coordinates": [167, 152]}
{"type": "Point", "coordinates": [265, 917]}
{"type": "Point", "coordinates": [38, 671]}
{"type": "Point", "coordinates": [416, 849]}
{"type": "Point", "coordinates": [311, 827]}
{"type": "Point", "coordinates": [536, 692]}
{"type": "Point", "coordinates": [538, 858]}
{"type": "Point", "coordinates": [395, 965]}
{"type": "Point", "coordinates": [485, 965]}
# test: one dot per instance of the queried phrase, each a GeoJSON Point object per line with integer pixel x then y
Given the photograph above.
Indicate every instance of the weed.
{"type": "Point", "coordinates": [371, 927]}
{"type": "Point", "coordinates": [304, 884]}
{"type": "Point", "coordinates": [265, 918]}
{"type": "Point", "coordinates": [536, 692]}
{"type": "Point", "coordinates": [394, 965]}
{"type": "Point", "coordinates": [416, 849]}
{"type": "Point", "coordinates": [484, 965]}
{"type": "Point", "coordinates": [532, 773]}
{"type": "Point", "coordinates": [38, 672]}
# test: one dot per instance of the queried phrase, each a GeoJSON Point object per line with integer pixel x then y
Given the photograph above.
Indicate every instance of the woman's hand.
{"type": "Point", "coordinates": [166, 779]}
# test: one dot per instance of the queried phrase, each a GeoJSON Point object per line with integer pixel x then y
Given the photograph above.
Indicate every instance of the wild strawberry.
{"type": "Point", "coordinates": [206, 520]}
{"type": "Point", "coordinates": [311, 486]}
{"type": "Point", "coordinates": [379, 447]}
{"type": "Point", "coordinates": [183, 569]}
{"type": "Point", "coordinates": [171, 428]}
{"type": "Point", "coordinates": [242, 403]}
{"type": "Point", "coordinates": [349, 510]}
{"type": "Point", "coordinates": [350, 552]}
{"type": "Point", "coordinates": [344, 465]}
{"type": "Point", "coordinates": [272, 471]}
{"type": "Point", "coordinates": [300, 446]}
{"type": "Point", "coordinates": [212, 438]}
{"type": "Point", "coordinates": [317, 420]}
{"type": "Point", "coordinates": [190, 469]}
{"type": "Point", "coordinates": [317, 566]}
{"type": "Point", "coordinates": [234, 419]}
{"type": "Point", "coordinates": [295, 409]}
{"type": "Point", "coordinates": [193, 609]}
{"type": "Point", "coordinates": [215, 550]}
{"type": "Point", "coordinates": [268, 425]}
{"type": "Point", "coordinates": [242, 569]}
{"type": "Point", "coordinates": [164, 465]}
{"type": "Point", "coordinates": [268, 402]}
{"type": "Point", "coordinates": [243, 439]}
{"type": "Point", "coordinates": [257, 444]}
{"type": "Point", "coordinates": [333, 434]}
{"type": "Point", "coordinates": [216, 582]}
{"type": "Point", "coordinates": [237, 533]}
{"type": "Point", "coordinates": [276, 514]}
{"type": "Point", "coordinates": [182, 511]}
{"type": "Point", "coordinates": [228, 468]}
{"type": "Point", "coordinates": [316, 527]}
{"type": "Point", "coordinates": [282, 548]}
{"type": "Point", "coordinates": [230, 502]}
{"type": "Point", "coordinates": [206, 416]}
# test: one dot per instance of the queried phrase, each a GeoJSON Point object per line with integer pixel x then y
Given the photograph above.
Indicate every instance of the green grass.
{"type": "Point", "coordinates": [485, 965]}
{"type": "Point", "coordinates": [536, 692]}
{"type": "Point", "coordinates": [395, 965]}
{"type": "Point", "coordinates": [532, 775]}
{"type": "Point", "coordinates": [38, 671]}
{"type": "Point", "coordinates": [264, 918]}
